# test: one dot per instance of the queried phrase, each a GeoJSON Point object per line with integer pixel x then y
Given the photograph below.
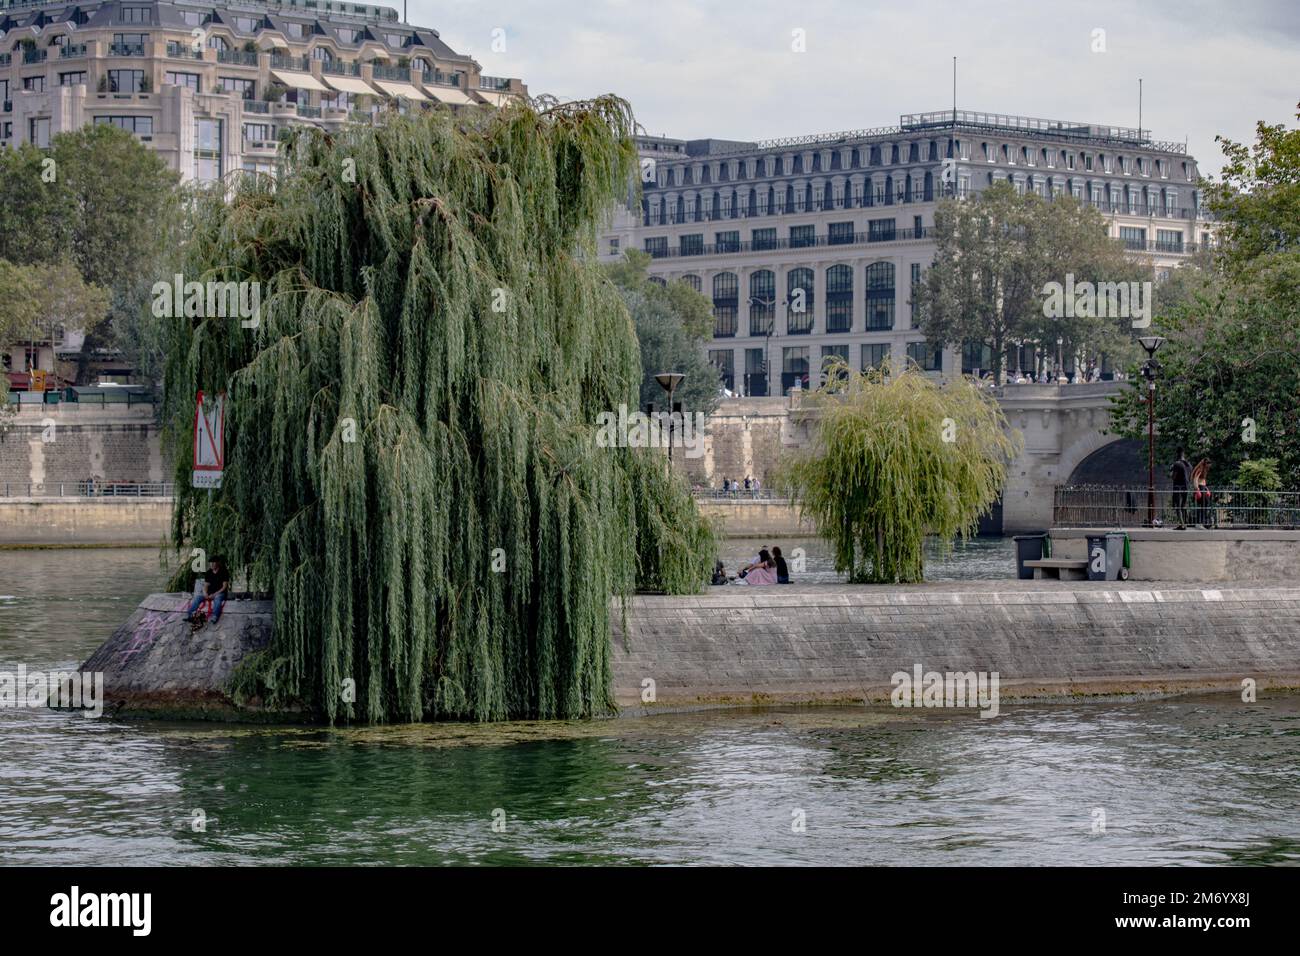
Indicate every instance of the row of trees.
{"type": "Point", "coordinates": [1231, 363]}
{"type": "Point", "coordinates": [994, 255]}
{"type": "Point", "coordinates": [85, 227]}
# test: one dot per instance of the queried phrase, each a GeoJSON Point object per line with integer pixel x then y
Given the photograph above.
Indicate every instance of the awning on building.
{"type": "Point", "coordinates": [349, 84]}
{"type": "Point", "coordinates": [449, 94]}
{"type": "Point", "coordinates": [300, 81]}
{"type": "Point", "coordinates": [495, 97]}
{"type": "Point", "coordinates": [400, 89]}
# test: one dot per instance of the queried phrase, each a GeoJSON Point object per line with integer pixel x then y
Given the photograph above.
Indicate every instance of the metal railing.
{"type": "Point", "coordinates": [126, 49]}
{"type": "Point", "coordinates": [340, 67]}
{"type": "Point", "coordinates": [765, 245]}
{"type": "Point", "coordinates": [739, 494]}
{"type": "Point", "coordinates": [381, 71]}
{"type": "Point", "coordinates": [1112, 507]}
{"type": "Point", "coordinates": [93, 488]}
{"type": "Point", "coordinates": [237, 57]}
{"type": "Point", "coordinates": [70, 50]}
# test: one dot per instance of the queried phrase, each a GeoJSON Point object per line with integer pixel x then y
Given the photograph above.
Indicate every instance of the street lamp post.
{"type": "Point", "coordinates": [1151, 343]}
{"type": "Point", "coordinates": [669, 381]}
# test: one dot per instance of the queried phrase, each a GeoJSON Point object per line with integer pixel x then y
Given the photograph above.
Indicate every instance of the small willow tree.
{"type": "Point", "coordinates": [896, 457]}
{"type": "Point", "coordinates": [411, 461]}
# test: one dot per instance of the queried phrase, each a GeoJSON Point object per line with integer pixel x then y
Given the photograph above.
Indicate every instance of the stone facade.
{"type": "Point", "coordinates": [45, 445]}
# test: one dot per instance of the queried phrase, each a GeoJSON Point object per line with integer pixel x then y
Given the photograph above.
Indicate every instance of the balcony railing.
{"type": "Point", "coordinates": [400, 73]}
{"type": "Point", "coordinates": [34, 56]}
{"type": "Point", "coordinates": [493, 83]}
{"type": "Point", "coordinates": [126, 49]}
{"type": "Point", "coordinates": [237, 57]}
{"type": "Point", "coordinates": [312, 112]}
{"type": "Point", "coordinates": [256, 106]}
{"type": "Point", "coordinates": [182, 51]}
{"type": "Point", "coordinates": [340, 68]}
{"type": "Point", "coordinates": [766, 245]}
{"type": "Point", "coordinates": [299, 64]}
{"type": "Point", "coordinates": [70, 50]}
{"type": "Point", "coordinates": [440, 78]}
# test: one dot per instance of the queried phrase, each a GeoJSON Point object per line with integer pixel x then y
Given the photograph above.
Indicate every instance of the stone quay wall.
{"type": "Point", "coordinates": [84, 522]}
{"type": "Point", "coordinates": [70, 442]}
{"type": "Point", "coordinates": [735, 646]}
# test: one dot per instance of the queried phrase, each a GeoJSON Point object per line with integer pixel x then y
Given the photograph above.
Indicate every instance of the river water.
{"type": "Point", "coordinates": [1195, 780]}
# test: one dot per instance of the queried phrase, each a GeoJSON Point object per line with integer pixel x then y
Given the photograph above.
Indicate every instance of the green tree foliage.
{"type": "Point", "coordinates": [1259, 474]}
{"type": "Point", "coordinates": [994, 253]}
{"type": "Point", "coordinates": [102, 200]}
{"type": "Point", "coordinates": [672, 323]}
{"type": "Point", "coordinates": [1230, 367]}
{"type": "Point", "coordinates": [412, 466]}
{"type": "Point", "coordinates": [895, 457]}
{"type": "Point", "coordinates": [18, 305]}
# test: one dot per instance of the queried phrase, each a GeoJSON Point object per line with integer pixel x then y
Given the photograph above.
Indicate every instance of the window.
{"type": "Point", "coordinates": [1133, 237]}
{"type": "Point", "coordinates": [841, 233]}
{"type": "Point", "coordinates": [880, 296]}
{"type": "Point", "coordinates": [72, 79]}
{"type": "Point", "coordinates": [246, 24]}
{"type": "Point", "coordinates": [34, 84]}
{"type": "Point", "coordinates": [725, 362]}
{"type": "Point", "coordinates": [218, 43]}
{"type": "Point", "coordinates": [135, 15]}
{"type": "Point", "coordinates": [976, 357]}
{"type": "Point", "coordinates": [692, 245]}
{"type": "Point", "coordinates": [296, 30]}
{"type": "Point", "coordinates": [395, 39]}
{"type": "Point", "coordinates": [692, 281]}
{"type": "Point", "coordinates": [245, 89]}
{"type": "Point", "coordinates": [6, 130]}
{"type": "Point", "coordinates": [755, 372]}
{"type": "Point", "coordinates": [839, 300]}
{"type": "Point", "coordinates": [727, 241]}
{"type": "Point", "coordinates": [829, 355]}
{"type": "Point", "coordinates": [794, 368]}
{"type": "Point", "coordinates": [918, 227]}
{"type": "Point", "coordinates": [928, 357]}
{"type": "Point", "coordinates": [763, 239]}
{"type": "Point", "coordinates": [128, 44]}
{"type": "Point", "coordinates": [348, 35]}
{"type": "Point", "coordinates": [140, 125]}
{"type": "Point", "coordinates": [1169, 240]}
{"type": "Point", "coordinates": [762, 302]}
{"type": "Point", "coordinates": [207, 149]}
{"type": "Point", "coordinates": [799, 302]}
{"type": "Point", "coordinates": [657, 246]}
{"type": "Point", "coordinates": [802, 237]}
{"type": "Point", "coordinates": [125, 81]}
{"type": "Point", "coordinates": [38, 132]}
{"type": "Point", "coordinates": [192, 18]}
{"type": "Point", "coordinates": [187, 80]}
{"type": "Point", "coordinates": [880, 230]}
{"type": "Point", "coordinates": [259, 133]}
{"type": "Point", "coordinates": [874, 356]}
{"type": "Point", "coordinates": [323, 54]}
{"type": "Point", "coordinates": [4, 89]}
{"type": "Point", "coordinates": [916, 288]}
{"type": "Point", "coordinates": [726, 295]}
{"type": "Point", "coordinates": [613, 246]}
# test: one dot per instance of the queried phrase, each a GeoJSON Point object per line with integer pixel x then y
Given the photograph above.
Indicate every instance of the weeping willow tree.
{"type": "Point", "coordinates": [411, 467]}
{"type": "Point", "coordinates": [896, 457]}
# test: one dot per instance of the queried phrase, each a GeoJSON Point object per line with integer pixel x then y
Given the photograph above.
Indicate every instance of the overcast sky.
{"type": "Point", "coordinates": [727, 68]}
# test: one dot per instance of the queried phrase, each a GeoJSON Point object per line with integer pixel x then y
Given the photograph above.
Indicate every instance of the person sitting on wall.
{"type": "Point", "coordinates": [782, 569]}
{"type": "Point", "coordinates": [216, 585]}
{"type": "Point", "coordinates": [763, 572]}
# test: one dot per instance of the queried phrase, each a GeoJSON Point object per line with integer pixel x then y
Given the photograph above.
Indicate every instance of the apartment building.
{"type": "Point", "coordinates": [209, 86]}
{"type": "Point", "coordinates": [810, 247]}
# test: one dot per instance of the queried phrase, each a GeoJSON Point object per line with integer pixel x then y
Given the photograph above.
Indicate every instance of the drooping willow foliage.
{"type": "Point", "coordinates": [896, 457]}
{"type": "Point", "coordinates": [411, 466]}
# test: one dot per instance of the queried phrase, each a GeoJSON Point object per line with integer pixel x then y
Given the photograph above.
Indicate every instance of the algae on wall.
{"type": "Point", "coordinates": [411, 465]}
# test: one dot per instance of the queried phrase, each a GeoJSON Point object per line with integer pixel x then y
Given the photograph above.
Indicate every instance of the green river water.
{"type": "Point", "coordinates": [1195, 780]}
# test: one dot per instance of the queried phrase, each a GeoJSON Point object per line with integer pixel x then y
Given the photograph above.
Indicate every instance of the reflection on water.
{"type": "Point", "coordinates": [1196, 780]}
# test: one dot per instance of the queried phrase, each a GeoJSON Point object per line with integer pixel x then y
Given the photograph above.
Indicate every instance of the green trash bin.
{"type": "Point", "coordinates": [1108, 557]}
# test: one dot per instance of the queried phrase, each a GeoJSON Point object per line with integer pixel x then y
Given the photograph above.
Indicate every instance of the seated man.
{"type": "Point", "coordinates": [216, 585]}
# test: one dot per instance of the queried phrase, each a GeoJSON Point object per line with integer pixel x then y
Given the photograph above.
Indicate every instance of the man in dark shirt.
{"type": "Point", "coordinates": [216, 585]}
{"type": "Point", "coordinates": [1181, 476]}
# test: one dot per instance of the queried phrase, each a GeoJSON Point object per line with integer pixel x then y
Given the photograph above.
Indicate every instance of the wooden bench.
{"type": "Point", "coordinates": [1059, 568]}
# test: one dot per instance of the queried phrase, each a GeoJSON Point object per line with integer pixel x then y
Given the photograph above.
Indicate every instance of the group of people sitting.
{"type": "Point", "coordinates": [768, 567]}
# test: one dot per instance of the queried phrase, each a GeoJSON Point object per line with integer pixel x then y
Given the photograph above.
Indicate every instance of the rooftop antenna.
{"type": "Point", "coordinates": [1139, 108]}
{"type": "Point", "coordinates": [954, 91]}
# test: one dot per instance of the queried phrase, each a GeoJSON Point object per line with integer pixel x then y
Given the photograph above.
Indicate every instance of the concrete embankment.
{"type": "Point", "coordinates": [821, 644]}
{"type": "Point", "coordinates": [84, 522]}
{"type": "Point", "coordinates": [755, 518]}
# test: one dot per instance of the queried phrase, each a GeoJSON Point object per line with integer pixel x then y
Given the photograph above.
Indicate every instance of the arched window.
{"type": "Point", "coordinates": [839, 299]}
{"type": "Point", "coordinates": [880, 296]}
{"type": "Point", "coordinates": [692, 281]}
{"type": "Point", "coordinates": [726, 294]}
{"type": "Point", "coordinates": [762, 302]}
{"type": "Point", "coordinates": [658, 280]}
{"type": "Point", "coordinates": [799, 301]}
{"type": "Point", "coordinates": [889, 189]}
{"type": "Point", "coordinates": [218, 43]}
{"type": "Point", "coordinates": [323, 54]}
